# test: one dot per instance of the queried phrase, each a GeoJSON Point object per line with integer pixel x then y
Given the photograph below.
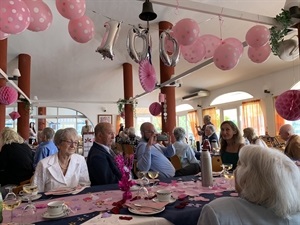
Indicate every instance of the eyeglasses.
{"type": "Point", "coordinates": [75, 143]}
{"type": "Point", "coordinates": [150, 131]}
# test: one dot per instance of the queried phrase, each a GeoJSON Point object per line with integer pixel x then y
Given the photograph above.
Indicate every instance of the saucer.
{"type": "Point", "coordinates": [52, 217]}
{"type": "Point", "coordinates": [172, 200]}
{"type": "Point", "coordinates": [34, 197]}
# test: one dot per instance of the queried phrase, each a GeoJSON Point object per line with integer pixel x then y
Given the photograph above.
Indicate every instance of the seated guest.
{"type": "Point", "coordinates": [231, 142]}
{"type": "Point", "coordinates": [210, 134]}
{"type": "Point", "coordinates": [250, 134]}
{"type": "Point", "coordinates": [132, 139]}
{"type": "Point", "coordinates": [268, 185]}
{"type": "Point", "coordinates": [153, 156]}
{"type": "Point", "coordinates": [101, 163]}
{"type": "Point", "coordinates": [292, 146]}
{"type": "Point", "coordinates": [16, 158]}
{"type": "Point", "coordinates": [46, 146]}
{"type": "Point", "coordinates": [189, 163]}
{"type": "Point", "coordinates": [65, 168]}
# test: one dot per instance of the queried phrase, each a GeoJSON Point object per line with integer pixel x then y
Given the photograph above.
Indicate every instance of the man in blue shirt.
{"type": "Point", "coordinates": [153, 156]}
{"type": "Point", "coordinates": [46, 147]}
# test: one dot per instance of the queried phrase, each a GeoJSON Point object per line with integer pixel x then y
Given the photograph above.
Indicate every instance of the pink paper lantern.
{"type": "Point", "coordinates": [235, 43]}
{"type": "Point", "coordinates": [259, 55]}
{"type": "Point", "coordinates": [8, 95]}
{"type": "Point", "coordinates": [211, 42]}
{"type": "Point", "coordinates": [14, 16]}
{"type": "Point", "coordinates": [14, 115]}
{"type": "Point", "coordinates": [3, 35]}
{"type": "Point", "coordinates": [81, 30]}
{"type": "Point", "coordinates": [186, 31]}
{"type": "Point", "coordinates": [288, 105]}
{"type": "Point", "coordinates": [155, 109]}
{"type": "Point", "coordinates": [195, 52]}
{"type": "Point", "coordinates": [226, 57]}
{"type": "Point", "coordinates": [71, 9]}
{"type": "Point", "coordinates": [257, 36]}
{"type": "Point", "coordinates": [40, 15]}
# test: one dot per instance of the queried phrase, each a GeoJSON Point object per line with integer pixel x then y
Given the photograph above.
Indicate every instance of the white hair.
{"type": "Point", "coordinates": [269, 178]}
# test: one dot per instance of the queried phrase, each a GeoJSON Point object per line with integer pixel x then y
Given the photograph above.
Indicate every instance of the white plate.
{"type": "Point", "coordinates": [34, 197]}
{"type": "Point", "coordinates": [172, 200]}
{"type": "Point", "coordinates": [61, 191]}
{"type": "Point", "coordinates": [47, 216]}
{"type": "Point", "coordinates": [135, 211]}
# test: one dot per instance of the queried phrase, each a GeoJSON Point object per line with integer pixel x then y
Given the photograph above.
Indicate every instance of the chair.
{"type": "Point", "coordinates": [216, 163]}
{"type": "Point", "coordinates": [175, 160]}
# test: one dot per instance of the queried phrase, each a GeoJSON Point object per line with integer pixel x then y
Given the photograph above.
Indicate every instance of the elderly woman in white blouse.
{"type": "Point", "coordinates": [65, 168]}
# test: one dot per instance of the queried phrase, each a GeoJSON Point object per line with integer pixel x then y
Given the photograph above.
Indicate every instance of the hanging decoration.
{"type": "Point", "coordinates": [40, 15]}
{"type": "Point", "coordinates": [14, 115]}
{"type": "Point", "coordinates": [133, 34]}
{"type": "Point", "coordinates": [259, 55]}
{"type": "Point", "coordinates": [8, 95]}
{"type": "Point", "coordinates": [147, 75]}
{"type": "Point", "coordinates": [288, 105]}
{"type": "Point", "coordinates": [155, 108]}
{"type": "Point", "coordinates": [173, 58]}
{"type": "Point", "coordinates": [14, 17]}
{"type": "Point", "coordinates": [226, 57]}
{"type": "Point", "coordinates": [257, 36]}
{"type": "Point", "coordinates": [71, 9]}
{"type": "Point", "coordinates": [109, 39]}
{"type": "Point", "coordinates": [121, 106]}
{"type": "Point", "coordinates": [211, 42]}
{"type": "Point", "coordinates": [81, 30]}
{"type": "Point", "coordinates": [195, 52]}
{"type": "Point", "coordinates": [186, 31]}
{"type": "Point", "coordinates": [236, 43]}
{"type": "Point", "coordinates": [3, 35]}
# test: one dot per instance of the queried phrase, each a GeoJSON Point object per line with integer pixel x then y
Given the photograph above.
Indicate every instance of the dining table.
{"type": "Point", "coordinates": [104, 204]}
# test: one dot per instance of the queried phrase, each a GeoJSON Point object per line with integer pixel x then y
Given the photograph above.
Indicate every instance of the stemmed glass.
{"type": "Point", "coordinates": [225, 168]}
{"type": "Point", "coordinates": [11, 201]}
{"type": "Point", "coordinates": [30, 209]}
{"type": "Point", "coordinates": [229, 176]}
{"type": "Point", "coordinates": [143, 181]}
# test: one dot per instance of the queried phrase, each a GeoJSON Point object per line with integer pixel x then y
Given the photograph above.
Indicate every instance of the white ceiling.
{"type": "Point", "coordinates": [64, 70]}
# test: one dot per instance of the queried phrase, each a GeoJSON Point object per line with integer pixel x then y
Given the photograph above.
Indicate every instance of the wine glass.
{"type": "Point", "coordinates": [11, 201]}
{"type": "Point", "coordinates": [229, 176]}
{"type": "Point", "coordinates": [30, 209]}
{"type": "Point", "coordinates": [143, 182]}
{"type": "Point", "coordinates": [153, 174]}
{"type": "Point", "coordinates": [226, 167]}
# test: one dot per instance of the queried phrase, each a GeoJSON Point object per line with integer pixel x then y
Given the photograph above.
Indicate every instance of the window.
{"type": "Point", "coordinates": [231, 97]}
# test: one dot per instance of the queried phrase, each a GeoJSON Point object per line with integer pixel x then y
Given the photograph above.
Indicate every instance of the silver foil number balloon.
{"type": "Point", "coordinates": [133, 34]}
{"type": "Point", "coordinates": [109, 39]}
{"type": "Point", "coordinates": [168, 60]}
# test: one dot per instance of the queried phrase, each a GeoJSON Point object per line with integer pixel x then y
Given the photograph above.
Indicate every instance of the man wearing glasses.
{"type": "Point", "coordinates": [153, 156]}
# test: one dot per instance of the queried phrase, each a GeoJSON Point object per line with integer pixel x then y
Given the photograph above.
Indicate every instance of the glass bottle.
{"type": "Point", "coordinates": [206, 167]}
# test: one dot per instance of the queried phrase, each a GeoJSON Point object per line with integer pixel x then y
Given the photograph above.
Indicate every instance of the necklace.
{"type": "Point", "coordinates": [61, 165]}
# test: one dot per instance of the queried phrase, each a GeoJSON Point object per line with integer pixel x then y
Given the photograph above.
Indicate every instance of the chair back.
{"type": "Point", "coordinates": [175, 160]}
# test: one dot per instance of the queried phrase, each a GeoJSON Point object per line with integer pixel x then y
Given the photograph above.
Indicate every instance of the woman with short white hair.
{"type": "Point", "coordinates": [268, 185]}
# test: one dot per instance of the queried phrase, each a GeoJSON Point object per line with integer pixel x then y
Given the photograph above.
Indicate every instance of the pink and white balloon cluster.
{"type": "Point", "coordinates": [81, 27]}
{"type": "Point", "coordinates": [18, 15]}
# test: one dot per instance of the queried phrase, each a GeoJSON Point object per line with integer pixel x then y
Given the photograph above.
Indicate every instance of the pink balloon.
{"type": "Point", "coordinates": [71, 9]}
{"type": "Point", "coordinates": [186, 31]}
{"type": "Point", "coordinates": [82, 29]}
{"type": "Point", "coordinates": [14, 16]}
{"type": "Point", "coordinates": [235, 43]}
{"type": "Point", "coordinates": [40, 15]}
{"type": "Point", "coordinates": [288, 105]}
{"type": "Point", "coordinates": [3, 35]}
{"type": "Point", "coordinates": [195, 52]}
{"type": "Point", "coordinates": [155, 108]}
{"type": "Point", "coordinates": [257, 36]}
{"type": "Point", "coordinates": [211, 42]}
{"type": "Point", "coordinates": [226, 57]}
{"type": "Point", "coordinates": [8, 95]}
{"type": "Point", "coordinates": [259, 55]}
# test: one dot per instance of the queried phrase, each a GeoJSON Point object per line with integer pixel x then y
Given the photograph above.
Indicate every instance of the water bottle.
{"type": "Point", "coordinates": [1, 207]}
{"type": "Point", "coordinates": [206, 167]}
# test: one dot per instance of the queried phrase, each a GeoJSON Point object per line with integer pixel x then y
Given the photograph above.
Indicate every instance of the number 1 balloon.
{"type": "Point", "coordinates": [109, 39]}
{"type": "Point", "coordinates": [168, 60]}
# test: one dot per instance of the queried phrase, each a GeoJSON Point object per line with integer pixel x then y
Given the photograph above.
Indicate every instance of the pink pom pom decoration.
{"type": "Point", "coordinates": [14, 16]}
{"type": "Point", "coordinates": [195, 52]}
{"type": "Point", "coordinates": [147, 75]}
{"type": "Point", "coordinates": [186, 31]}
{"type": "Point", "coordinates": [259, 55]}
{"type": "Point", "coordinates": [288, 105]}
{"type": "Point", "coordinates": [8, 95]}
{"type": "Point", "coordinates": [155, 109]}
{"type": "Point", "coordinates": [235, 43]}
{"type": "Point", "coordinates": [3, 35]}
{"type": "Point", "coordinates": [40, 15]}
{"type": "Point", "coordinates": [14, 115]}
{"type": "Point", "coordinates": [257, 36]}
{"type": "Point", "coordinates": [81, 30]}
{"type": "Point", "coordinates": [226, 57]}
{"type": "Point", "coordinates": [211, 42]}
{"type": "Point", "coordinates": [71, 9]}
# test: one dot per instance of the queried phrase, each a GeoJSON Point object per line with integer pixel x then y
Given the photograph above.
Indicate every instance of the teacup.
{"type": "Point", "coordinates": [56, 208]}
{"type": "Point", "coordinates": [163, 195]}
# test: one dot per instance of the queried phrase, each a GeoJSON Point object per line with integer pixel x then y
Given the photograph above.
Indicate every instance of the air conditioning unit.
{"type": "Point", "coordinates": [199, 94]}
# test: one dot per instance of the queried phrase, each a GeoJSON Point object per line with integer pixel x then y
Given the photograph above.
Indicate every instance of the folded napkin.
{"type": "Point", "coordinates": [79, 189]}
{"type": "Point", "coordinates": [60, 191]}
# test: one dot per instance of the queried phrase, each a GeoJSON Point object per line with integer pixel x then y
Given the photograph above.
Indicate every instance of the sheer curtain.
{"type": "Point", "coordinates": [118, 122]}
{"type": "Point", "coordinates": [253, 116]}
{"type": "Point", "coordinates": [212, 113]}
{"type": "Point", "coordinates": [279, 121]}
{"type": "Point", "coordinates": [194, 120]}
